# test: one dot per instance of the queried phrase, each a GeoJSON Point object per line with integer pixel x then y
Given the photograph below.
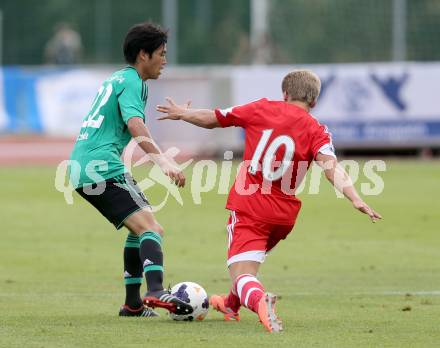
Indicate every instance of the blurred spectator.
{"type": "Point", "coordinates": [266, 51]}
{"type": "Point", "coordinates": [64, 47]}
{"type": "Point", "coordinates": [242, 54]}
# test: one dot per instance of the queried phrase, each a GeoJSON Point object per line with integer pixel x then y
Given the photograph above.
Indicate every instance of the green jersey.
{"type": "Point", "coordinates": [104, 133]}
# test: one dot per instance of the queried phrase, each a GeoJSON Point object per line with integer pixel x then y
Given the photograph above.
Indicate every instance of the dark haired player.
{"type": "Point", "coordinates": [100, 177]}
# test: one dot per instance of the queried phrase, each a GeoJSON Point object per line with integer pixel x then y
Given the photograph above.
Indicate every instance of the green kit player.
{"type": "Point", "coordinates": [100, 177]}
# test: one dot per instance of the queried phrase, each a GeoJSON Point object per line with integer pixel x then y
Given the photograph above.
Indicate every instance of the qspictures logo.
{"type": "Point", "coordinates": [207, 176]}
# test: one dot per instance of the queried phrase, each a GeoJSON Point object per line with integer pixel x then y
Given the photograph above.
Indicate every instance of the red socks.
{"type": "Point", "coordinates": [233, 301]}
{"type": "Point", "coordinates": [249, 291]}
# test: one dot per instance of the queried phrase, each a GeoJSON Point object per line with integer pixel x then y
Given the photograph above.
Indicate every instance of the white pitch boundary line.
{"type": "Point", "coordinates": [112, 294]}
{"type": "Point", "coordinates": [415, 293]}
{"type": "Point", "coordinates": [378, 293]}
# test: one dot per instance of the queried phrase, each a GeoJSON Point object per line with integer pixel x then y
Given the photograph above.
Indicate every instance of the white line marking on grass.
{"type": "Point", "coordinates": [373, 293]}
{"type": "Point", "coordinates": [330, 293]}
{"type": "Point", "coordinates": [415, 293]}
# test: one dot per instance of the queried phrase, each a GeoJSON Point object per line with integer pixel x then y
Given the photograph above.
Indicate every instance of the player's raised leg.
{"type": "Point", "coordinates": [248, 240]}
{"type": "Point", "coordinates": [150, 233]}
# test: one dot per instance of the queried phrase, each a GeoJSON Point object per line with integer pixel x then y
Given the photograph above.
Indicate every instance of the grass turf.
{"type": "Point", "coordinates": [343, 281]}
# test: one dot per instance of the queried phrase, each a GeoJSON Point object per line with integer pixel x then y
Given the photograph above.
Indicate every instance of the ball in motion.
{"type": "Point", "coordinates": [196, 296]}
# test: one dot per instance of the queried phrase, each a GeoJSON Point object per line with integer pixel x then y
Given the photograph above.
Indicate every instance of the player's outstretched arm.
{"type": "Point", "coordinates": [141, 134]}
{"type": "Point", "coordinates": [204, 118]}
{"type": "Point", "coordinates": [342, 181]}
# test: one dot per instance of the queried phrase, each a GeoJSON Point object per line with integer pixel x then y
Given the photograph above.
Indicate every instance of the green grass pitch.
{"type": "Point", "coordinates": [343, 281]}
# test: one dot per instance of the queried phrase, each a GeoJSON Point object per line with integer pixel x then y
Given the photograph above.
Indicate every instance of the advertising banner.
{"type": "Point", "coordinates": [362, 104]}
{"type": "Point", "coordinates": [4, 119]}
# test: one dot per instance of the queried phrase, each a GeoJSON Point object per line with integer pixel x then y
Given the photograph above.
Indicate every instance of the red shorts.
{"type": "Point", "coordinates": [250, 240]}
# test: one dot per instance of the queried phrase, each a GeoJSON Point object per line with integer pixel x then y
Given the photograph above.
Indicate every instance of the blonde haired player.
{"type": "Point", "coordinates": [280, 135]}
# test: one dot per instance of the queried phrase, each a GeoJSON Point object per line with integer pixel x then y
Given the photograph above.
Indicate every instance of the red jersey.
{"type": "Point", "coordinates": [282, 140]}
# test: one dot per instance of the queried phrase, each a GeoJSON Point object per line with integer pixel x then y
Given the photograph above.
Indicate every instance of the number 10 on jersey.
{"type": "Point", "coordinates": [269, 155]}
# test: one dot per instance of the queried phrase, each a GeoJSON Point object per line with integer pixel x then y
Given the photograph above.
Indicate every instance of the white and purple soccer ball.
{"type": "Point", "coordinates": [196, 296]}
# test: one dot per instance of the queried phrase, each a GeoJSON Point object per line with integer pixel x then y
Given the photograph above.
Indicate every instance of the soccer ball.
{"type": "Point", "coordinates": [196, 296]}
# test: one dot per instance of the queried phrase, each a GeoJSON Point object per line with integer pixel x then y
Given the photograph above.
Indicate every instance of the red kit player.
{"type": "Point", "coordinates": [282, 139]}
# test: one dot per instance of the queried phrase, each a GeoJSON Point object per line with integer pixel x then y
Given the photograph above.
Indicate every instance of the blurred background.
{"type": "Point", "coordinates": [378, 61]}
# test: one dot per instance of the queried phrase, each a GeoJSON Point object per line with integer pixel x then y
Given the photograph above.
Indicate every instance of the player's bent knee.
{"type": "Point", "coordinates": [243, 267]}
{"type": "Point", "coordinates": [141, 222]}
{"type": "Point", "coordinates": [139, 229]}
{"type": "Point", "coordinates": [158, 229]}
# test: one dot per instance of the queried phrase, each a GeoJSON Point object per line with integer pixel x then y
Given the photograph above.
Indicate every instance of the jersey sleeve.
{"type": "Point", "coordinates": [322, 141]}
{"type": "Point", "coordinates": [130, 100]}
{"type": "Point", "coordinates": [238, 116]}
